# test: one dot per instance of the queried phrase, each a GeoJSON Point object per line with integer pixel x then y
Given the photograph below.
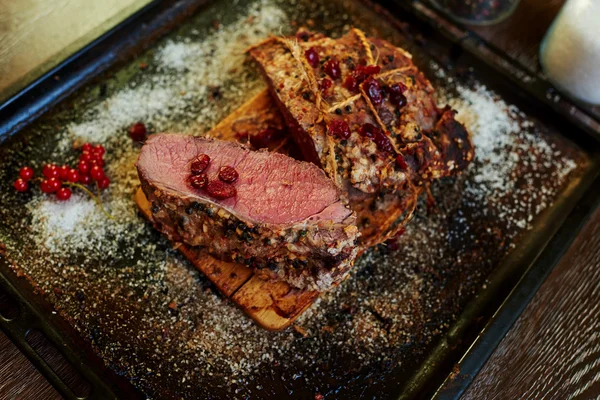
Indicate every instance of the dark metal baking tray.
{"type": "Point", "coordinates": [443, 367]}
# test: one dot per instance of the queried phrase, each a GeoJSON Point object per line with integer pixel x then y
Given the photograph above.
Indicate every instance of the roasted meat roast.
{"type": "Point", "coordinates": [361, 110]}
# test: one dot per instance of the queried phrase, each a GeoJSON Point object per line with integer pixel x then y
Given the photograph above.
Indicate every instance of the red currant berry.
{"type": "Point", "coordinates": [332, 68]}
{"type": "Point", "coordinates": [63, 171]}
{"type": "Point", "coordinates": [368, 130]}
{"type": "Point", "coordinates": [138, 132]}
{"type": "Point", "coordinates": [98, 162]}
{"type": "Point", "coordinates": [373, 90]}
{"type": "Point", "coordinates": [372, 69]}
{"type": "Point", "coordinates": [26, 173]}
{"type": "Point", "coordinates": [220, 189]}
{"type": "Point", "coordinates": [85, 156]}
{"type": "Point", "coordinates": [359, 74]}
{"type": "Point", "coordinates": [401, 163]}
{"type": "Point", "coordinates": [397, 96]}
{"type": "Point", "coordinates": [95, 155]}
{"type": "Point", "coordinates": [324, 85]}
{"type": "Point", "coordinates": [87, 147]}
{"type": "Point", "coordinates": [63, 194]}
{"type": "Point", "coordinates": [99, 149]}
{"type": "Point", "coordinates": [339, 128]}
{"type": "Point", "coordinates": [104, 182]}
{"type": "Point", "coordinates": [228, 174]}
{"type": "Point", "coordinates": [85, 179]}
{"type": "Point", "coordinates": [45, 186]}
{"type": "Point", "coordinates": [54, 184]}
{"type": "Point", "coordinates": [96, 172]}
{"type": "Point", "coordinates": [73, 175]}
{"type": "Point", "coordinates": [83, 167]}
{"type": "Point", "coordinates": [399, 87]}
{"type": "Point", "coordinates": [312, 57]}
{"type": "Point", "coordinates": [21, 185]}
{"type": "Point", "coordinates": [350, 83]}
{"type": "Point", "coordinates": [50, 171]}
{"type": "Point", "coordinates": [199, 164]}
{"type": "Point", "coordinates": [198, 181]}
{"type": "Point", "coordinates": [383, 142]}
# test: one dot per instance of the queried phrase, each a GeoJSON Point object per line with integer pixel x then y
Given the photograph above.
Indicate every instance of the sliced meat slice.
{"type": "Point", "coordinates": [359, 108]}
{"type": "Point", "coordinates": [286, 217]}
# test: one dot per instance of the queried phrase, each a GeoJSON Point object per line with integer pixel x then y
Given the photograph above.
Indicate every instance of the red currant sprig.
{"type": "Point", "coordinates": [57, 180]}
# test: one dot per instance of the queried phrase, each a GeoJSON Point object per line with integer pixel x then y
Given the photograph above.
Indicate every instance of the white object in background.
{"type": "Point", "coordinates": [570, 52]}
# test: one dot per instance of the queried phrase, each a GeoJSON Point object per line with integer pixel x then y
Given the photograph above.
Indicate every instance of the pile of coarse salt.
{"type": "Point", "coordinates": [60, 223]}
{"type": "Point", "coordinates": [80, 225]}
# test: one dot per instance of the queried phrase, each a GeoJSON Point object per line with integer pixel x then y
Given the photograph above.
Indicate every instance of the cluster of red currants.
{"type": "Point", "coordinates": [56, 179]}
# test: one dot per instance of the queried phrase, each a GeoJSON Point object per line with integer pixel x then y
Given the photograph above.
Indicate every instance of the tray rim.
{"type": "Point", "coordinates": [88, 64]}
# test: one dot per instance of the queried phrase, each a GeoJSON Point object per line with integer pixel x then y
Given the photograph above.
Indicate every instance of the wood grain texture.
{"type": "Point", "coordinates": [553, 350]}
{"type": "Point", "coordinates": [19, 379]}
{"type": "Point", "coordinates": [36, 35]}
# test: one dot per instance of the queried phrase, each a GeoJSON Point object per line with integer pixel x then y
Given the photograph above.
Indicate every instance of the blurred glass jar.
{"type": "Point", "coordinates": [477, 12]}
{"type": "Point", "coordinates": [570, 52]}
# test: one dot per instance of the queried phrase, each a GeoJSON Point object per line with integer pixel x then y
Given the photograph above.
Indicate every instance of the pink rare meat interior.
{"type": "Point", "coordinates": [272, 188]}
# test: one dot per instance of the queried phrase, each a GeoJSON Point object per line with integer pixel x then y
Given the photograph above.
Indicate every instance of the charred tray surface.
{"type": "Point", "coordinates": [154, 319]}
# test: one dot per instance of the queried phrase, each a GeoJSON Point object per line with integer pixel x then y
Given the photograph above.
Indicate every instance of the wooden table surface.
{"type": "Point", "coordinates": [50, 31]}
{"type": "Point", "coordinates": [552, 351]}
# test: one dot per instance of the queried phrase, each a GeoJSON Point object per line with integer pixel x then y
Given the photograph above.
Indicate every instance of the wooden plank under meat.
{"type": "Point", "coordinates": [274, 305]}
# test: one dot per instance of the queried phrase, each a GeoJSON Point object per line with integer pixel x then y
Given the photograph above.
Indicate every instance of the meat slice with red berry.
{"type": "Point", "coordinates": [269, 211]}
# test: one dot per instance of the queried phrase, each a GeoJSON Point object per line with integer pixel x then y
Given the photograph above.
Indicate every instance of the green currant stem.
{"type": "Point", "coordinates": [92, 195]}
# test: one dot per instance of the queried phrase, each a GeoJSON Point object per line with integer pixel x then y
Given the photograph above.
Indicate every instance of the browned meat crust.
{"type": "Point", "coordinates": [296, 254]}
